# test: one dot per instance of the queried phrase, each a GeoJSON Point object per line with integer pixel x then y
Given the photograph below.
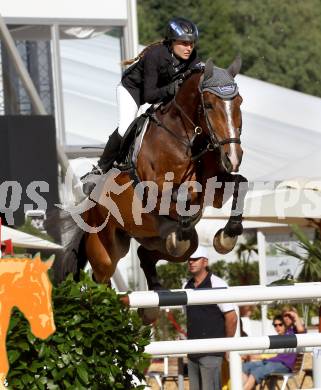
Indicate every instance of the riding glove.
{"type": "Point", "coordinates": [174, 87]}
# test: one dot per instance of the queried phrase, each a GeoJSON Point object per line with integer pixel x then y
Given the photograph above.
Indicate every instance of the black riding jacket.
{"type": "Point", "coordinates": [149, 78]}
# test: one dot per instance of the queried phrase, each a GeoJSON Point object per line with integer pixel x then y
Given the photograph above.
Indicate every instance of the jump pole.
{"type": "Point", "coordinates": [226, 344]}
{"type": "Point", "coordinates": [146, 299]}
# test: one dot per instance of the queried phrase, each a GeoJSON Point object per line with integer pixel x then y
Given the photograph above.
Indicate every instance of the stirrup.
{"type": "Point", "coordinates": [89, 180]}
{"type": "Point", "coordinates": [95, 171]}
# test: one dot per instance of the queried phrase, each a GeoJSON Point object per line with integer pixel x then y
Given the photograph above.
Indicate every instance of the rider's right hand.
{"type": "Point", "coordinates": [174, 87]}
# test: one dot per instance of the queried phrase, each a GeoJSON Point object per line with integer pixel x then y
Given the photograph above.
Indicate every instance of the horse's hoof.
{"type": "Point", "coordinates": [223, 243]}
{"type": "Point", "coordinates": [148, 315]}
{"type": "Point", "coordinates": [175, 247]}
{"type": "Point", "coordinates": [233, 228]}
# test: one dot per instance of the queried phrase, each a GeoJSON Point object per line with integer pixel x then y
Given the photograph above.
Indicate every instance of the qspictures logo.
{"type": "Point", "coordinates": [148, 195]}
{"type": "Point", "coordinates": [11, 197]}
{"type": "Point", "coordinates": [24, 283]}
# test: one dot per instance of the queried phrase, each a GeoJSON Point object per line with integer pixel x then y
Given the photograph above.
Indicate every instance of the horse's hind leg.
{"type": "Point", "coordinates": [148, 260]}
{"type": "Point", "coordinates": [103, 255]}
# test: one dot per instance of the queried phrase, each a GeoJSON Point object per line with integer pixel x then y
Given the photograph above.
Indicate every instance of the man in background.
{"type": "Point", "coordinates": [207, 321]}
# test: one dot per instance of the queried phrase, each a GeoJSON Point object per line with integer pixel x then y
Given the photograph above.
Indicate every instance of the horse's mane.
{"type": "Point", "coordinates": [186, 77]}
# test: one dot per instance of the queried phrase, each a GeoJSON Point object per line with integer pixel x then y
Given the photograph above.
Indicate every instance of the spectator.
{"type": "Point", "coordinates": [255, 371]}
{"type": "Point", "coordinates": [207, 321]}
{"type": "Point", "coordinates": [292, 320]}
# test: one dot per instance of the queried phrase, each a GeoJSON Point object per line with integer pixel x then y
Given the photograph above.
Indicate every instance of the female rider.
{"type": "Point", "coordinates": [153, 78]}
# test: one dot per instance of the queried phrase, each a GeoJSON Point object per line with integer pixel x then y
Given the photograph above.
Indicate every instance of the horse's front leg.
{"type": "Point", "coordinates": [225, 239]}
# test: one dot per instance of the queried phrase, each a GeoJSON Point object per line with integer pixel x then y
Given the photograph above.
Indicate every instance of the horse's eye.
{"type": "Point", "coordinates": [208, 105]}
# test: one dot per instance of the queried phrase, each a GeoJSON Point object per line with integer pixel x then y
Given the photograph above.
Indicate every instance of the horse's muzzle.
{"type": "Point", "coordinates": [232, 162]}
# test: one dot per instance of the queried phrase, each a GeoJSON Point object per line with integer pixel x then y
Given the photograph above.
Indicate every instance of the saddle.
{"type": "Point", "coordinates": [132, 140]}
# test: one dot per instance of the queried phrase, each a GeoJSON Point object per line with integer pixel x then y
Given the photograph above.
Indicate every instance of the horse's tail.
{"type": "Point", "coordinates": [72, 258]}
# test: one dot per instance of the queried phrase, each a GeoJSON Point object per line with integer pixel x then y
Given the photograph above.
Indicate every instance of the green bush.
{"type": "Point", "coordinates": [98, 344]}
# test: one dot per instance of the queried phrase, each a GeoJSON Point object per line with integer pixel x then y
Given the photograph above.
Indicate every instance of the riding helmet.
{"type": "Point", "coordinates": [181, 29]}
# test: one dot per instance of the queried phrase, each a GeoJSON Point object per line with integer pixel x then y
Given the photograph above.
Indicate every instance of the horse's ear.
{"type": "Point", "coordinates": [49, 262]}
{"type": "Point", "coordinates": [235, 67]}
{"type": "Point", "coordinates": [208, 71]}
{"type": "Point", "coordinates": [37, 256]}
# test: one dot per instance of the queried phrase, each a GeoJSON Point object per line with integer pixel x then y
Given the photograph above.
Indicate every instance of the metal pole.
{"type": "Point", "coordinates": [261, 244]}
{"type": "Point", "coordinates": [235, 370]}
{"type": "Point", "coordinates": [132, 29]}
{"type": "Point", "coordinates": [235, 361]}
{"type": "Point", "coordinates": [317, 361]}
{"type": "Point", "coordinates": [227, 344]}
{"type": "Point", "coordinates": [57, 80]}
{"type": "Point", "coordinates": [180, 363]}
{"type": "Point", "coordinates": [21, 69]}
{"type": "Point", "coordinates": [316, 367]}
{"type": "Point", "coordinates": [35, 100]}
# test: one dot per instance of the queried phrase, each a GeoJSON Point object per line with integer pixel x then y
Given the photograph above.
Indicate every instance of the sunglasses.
{"type": "Point", "coordinates": [278, 324]}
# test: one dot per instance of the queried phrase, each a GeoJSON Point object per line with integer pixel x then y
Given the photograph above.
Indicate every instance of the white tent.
{"type": "Point", "coordinates": [24, 240]}
{"type": "Point", "coordinates": [295, 201]}
{"type": "Point", "coordinates": [281, 128]}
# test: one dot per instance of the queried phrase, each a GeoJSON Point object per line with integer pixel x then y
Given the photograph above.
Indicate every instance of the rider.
{"type": "Point", "coordinates": [152, 78]}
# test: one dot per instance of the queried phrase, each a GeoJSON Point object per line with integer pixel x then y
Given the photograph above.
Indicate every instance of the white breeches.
{"type": "Point", "coordinates": [127, 109]}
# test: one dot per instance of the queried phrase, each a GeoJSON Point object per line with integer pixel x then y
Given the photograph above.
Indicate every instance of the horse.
{"type": "Point", "coordinates": [25, 284]}
{"type": "Point", "coordinates": [188, 159]}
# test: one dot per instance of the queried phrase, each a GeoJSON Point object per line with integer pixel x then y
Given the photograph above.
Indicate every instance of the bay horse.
{"type": "Point", "coordinates": [188, 160]}
{"type": "Point", "coordinates": [24, 283]}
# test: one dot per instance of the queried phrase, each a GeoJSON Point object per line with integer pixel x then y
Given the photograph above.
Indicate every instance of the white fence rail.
{"type": "Point", "coordinates": [161, 348]}
{"type": "Point", "coordinates": [299, 291]}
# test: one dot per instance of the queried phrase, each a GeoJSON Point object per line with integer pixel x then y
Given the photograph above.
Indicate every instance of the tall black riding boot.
{"type": "Point", "coordinates": [110, 152]}
{"type": "Point", "coordinates": [105, 162]}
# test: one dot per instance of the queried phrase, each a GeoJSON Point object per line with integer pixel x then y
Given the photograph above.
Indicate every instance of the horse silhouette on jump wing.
{"type": "Point", "coordinates": [24, 284]}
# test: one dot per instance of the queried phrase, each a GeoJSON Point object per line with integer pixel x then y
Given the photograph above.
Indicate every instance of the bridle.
{"type": "Point", "coordinates": [212, 131]}
{"type": "Point", "coordinates": [214, 142]}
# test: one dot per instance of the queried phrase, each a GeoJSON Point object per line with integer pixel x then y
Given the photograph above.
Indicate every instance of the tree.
{"type": "Point", "coordinates": [311, 260]}
{"type": "Point", "coordinates": [280, 42]}
{"type": "Point", "coordinates": [171, 275]}
{"type": "Point", "coordinates": [220, 269]}
{"type": "Point", "coordinates": [244, 272]}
